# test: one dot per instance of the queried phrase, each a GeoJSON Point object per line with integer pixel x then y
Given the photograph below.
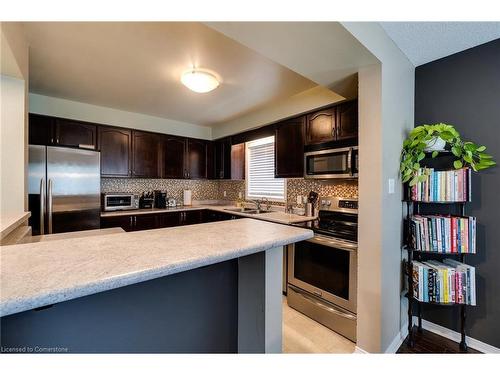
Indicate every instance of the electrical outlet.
{"type": "Point", "coordinates": [225, 194]}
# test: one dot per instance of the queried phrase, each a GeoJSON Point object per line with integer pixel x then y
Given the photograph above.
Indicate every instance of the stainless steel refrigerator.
{"type": "Point", "coordinates": [64, 189]}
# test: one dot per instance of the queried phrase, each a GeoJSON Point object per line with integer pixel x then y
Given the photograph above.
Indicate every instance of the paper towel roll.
{"type": "Point", "coordinates": [187, 198]}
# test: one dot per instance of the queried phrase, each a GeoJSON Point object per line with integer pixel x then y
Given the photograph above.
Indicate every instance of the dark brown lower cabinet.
{"type": "Point", "coordinates": [125, 222]}
{"type": "Point", "coordinates": [145, 222]}
{"type": "Point", "coordinates": [130, 223]}
{"type": "Point", "coordinates": [169, 219]}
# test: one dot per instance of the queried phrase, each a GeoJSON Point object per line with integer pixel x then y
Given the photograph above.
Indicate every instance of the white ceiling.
{"type": "Point", "coordinates": [136, 67]}
{"type": "Point", "coordinates": [423, 42]}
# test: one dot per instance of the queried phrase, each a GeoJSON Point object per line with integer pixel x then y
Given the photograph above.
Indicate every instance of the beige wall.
{"type": "Point", "coordinates": [13, 126]}
{"type": "Point", "coordinates": [52, 106]}
{"type": "Point", "coordinates": [386, 115]}
{"type": "Point", "coordinates": [303, 102]}
{"type": "Point", "coordinates": [12, 146]}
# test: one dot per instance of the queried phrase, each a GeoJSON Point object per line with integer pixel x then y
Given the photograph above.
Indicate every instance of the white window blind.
{"type": "Point", "coordinates": [260, 171]}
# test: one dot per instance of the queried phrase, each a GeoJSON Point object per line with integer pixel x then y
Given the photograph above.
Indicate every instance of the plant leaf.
{"type": "Point", "coordinates": [481, 149]}
{"type": "Point", "coordinates": [457, 151]}
{"type": "Point", "coordinates": [435, 153]}
{"type": "Point", "coordinates": [457, 164]}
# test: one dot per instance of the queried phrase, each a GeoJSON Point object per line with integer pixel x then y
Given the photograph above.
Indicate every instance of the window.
{"type": "Point", "coordinates": [260, 181]}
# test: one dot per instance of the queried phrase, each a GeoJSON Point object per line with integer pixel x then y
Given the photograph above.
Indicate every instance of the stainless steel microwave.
{"type": "Point", "coordinates": [120, 201]}
{"type": "Point", "coordinates": [331, 163]}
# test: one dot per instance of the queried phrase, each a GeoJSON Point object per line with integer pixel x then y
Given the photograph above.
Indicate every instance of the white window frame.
{"type": "Point", "coordinates": [248, 145]}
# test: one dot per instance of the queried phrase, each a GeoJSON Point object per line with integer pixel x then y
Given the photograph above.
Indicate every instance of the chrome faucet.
{"type": "Point", "coordinates": [258, 203]}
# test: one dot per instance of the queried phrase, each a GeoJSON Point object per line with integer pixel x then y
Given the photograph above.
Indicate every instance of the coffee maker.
{"type": "Point", "coordinates": [160, 199]}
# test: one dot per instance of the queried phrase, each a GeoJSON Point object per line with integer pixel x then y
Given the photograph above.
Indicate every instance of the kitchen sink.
{"type": "Point", "coordinates": [247, 210]}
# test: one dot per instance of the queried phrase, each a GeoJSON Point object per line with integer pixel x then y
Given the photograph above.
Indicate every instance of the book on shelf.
{"type": "Point", "coordinates": [449, 281]}
{"type": "Point", "coordinates": [443, 234]}
{"type": "Point", "coordinates": [443, 186]}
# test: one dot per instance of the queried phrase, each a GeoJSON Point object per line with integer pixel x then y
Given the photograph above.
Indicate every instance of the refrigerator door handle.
{"type": "Point", "coordinates": [50, 206]}
{"type": "Point", "coordinates": [42, 206]}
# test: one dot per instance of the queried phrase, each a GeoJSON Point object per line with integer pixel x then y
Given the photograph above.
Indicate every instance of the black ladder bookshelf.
{"type": "Point", "coordinates": [414, 207]}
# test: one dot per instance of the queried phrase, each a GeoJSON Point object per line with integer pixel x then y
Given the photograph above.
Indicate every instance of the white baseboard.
{"type": "Point", "coordinates": [358, 350]}
{"type": "Point", "coordinates": [455, 336]}
{"type": "Point", "coordinates": [396, 342]}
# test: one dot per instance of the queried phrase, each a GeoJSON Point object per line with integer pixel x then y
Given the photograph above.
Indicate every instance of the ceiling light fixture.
{"type": "Point", "coordinates": [199, 80]}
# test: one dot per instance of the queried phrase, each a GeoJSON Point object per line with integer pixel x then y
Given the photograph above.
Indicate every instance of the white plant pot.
{"type": "Point", "coordinates": [435, 144]}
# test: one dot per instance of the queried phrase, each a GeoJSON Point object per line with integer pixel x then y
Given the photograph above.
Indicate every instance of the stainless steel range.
{"type": "Point", "coordinates": [322, 271]}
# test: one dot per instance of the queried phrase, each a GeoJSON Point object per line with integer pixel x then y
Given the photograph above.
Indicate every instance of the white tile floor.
{"type": "Point", "coordinates": [304, 335]}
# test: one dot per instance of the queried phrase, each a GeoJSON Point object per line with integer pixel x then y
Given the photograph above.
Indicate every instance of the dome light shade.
{"type": "Point", "coordinates": [199, 81]}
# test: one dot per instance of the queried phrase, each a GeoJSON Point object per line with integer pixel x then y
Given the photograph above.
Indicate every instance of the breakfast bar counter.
{"type": "Point", "coordinates": [213, 287]}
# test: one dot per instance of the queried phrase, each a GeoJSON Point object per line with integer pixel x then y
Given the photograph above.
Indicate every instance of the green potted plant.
{"type": "Point", "coordinates": [435, 138]}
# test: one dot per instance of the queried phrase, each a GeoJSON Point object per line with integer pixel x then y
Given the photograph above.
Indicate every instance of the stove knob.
{"type": "Point", "coordinates": [323, 202]}
{"type": "Point", "coordinates": [328, 203]}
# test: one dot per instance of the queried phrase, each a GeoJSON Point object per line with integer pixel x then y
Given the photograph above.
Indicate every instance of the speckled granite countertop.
{"type": "Point", "coordinates": [44, 273]}
{"type": "Point", "coordinates": [275, 216]}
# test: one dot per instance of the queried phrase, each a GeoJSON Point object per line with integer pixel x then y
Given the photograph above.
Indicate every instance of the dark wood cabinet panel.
{"type": "Point", "coordinates": [191, 217]}
{"type": "Point", "coordinates": [174, 150]}
{"type": "Point", "coordinates": [238, 162]}
{"type": "Point", "coordinates": [124, 222]}
{"type": "Point", "coordinates": [211, 160]}
{"type": "Point", "coordinates": [145, 154]}
{"type": "Point", "coordinates": [115, 145]}
{"type": "Point", "coordinates": [145, 222]}
{"type": "Point", "coordinates": [222, 150]}
{"type": "Point", "coordinates": [196, 154]}
{"type": "Point", "coordinates": [169, 219]}
{"type": "Point", "coordinates": [75, 134]}
{"type": "Point", "coordinates": [289, 148]}
{"type": "Point", "coordinates": [40, 130]}
{"type": "Point", "coordinates": [347, 120]}
{"type": "Point", "coordinates": [321, 126]}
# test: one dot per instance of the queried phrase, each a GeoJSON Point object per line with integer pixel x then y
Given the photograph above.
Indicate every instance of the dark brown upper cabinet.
{"type": "Point", "coordinates": [321, 126]}
{"type": "Point", "coordinates": [174, 151]}
{"type": "Point", "coordinates": [145, 154]}
{"type": "Point", "coordinates": [40, 130]}
{"type": "Point", "coordinates": [347, 120]}
{"type": "Point", "coordinates": [196, 156]}
{"type": "Point", "coordinates": [289, 148]}
{"type": "Point", "coordinates": [115, 145]}
{"type": "Point", "coordinates": [222, 151]}
{"type": "Point", "coordinates": [75, 134]}
{"type": "Point", "coordinates": [238, 162]}
{"type": "Point", "coordinates": [211, 160]}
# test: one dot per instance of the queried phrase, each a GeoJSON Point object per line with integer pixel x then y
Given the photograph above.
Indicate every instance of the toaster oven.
{"type": "Point", "coordinates": [120, 201]}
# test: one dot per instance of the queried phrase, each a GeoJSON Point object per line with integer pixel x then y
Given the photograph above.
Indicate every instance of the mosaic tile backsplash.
{"type": "Point", "coordinates": [202, 189]}
{"type": "Point", "coordinates": [214, 189]}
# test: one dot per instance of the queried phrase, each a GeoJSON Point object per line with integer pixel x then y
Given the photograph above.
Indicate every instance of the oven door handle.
{"type": "Point", "coordinates": [323, 240]}
{"type": "Point", "coordinates": [322, 305]}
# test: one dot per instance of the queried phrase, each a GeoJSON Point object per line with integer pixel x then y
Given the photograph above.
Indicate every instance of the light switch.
{"type": "Point", "coordinates": [390, 185]}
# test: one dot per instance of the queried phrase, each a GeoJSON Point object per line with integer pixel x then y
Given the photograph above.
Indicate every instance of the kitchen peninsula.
{"type": "Point", "coordinates": [213, 287]}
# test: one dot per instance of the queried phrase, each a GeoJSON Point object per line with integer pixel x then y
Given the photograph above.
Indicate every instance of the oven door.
{"type": "Point", "coordinates": [335, 163]}
{"type": "Point", "coordinates": [327, 268]}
